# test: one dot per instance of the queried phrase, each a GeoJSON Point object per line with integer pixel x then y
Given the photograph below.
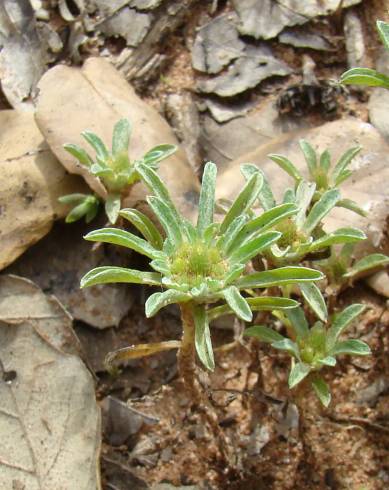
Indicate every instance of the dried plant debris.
{"type": "Point", "coordinates": [255, 65]}
{"type": "Point", "coordinates": [49, 419]}
{"type": "Point", "coordinates": [216, 44]}
{"type": "Point", "coordinates": [32, 181]}
{"type": "Point", "coordinates": [102, 306]}
{"type": "Point", "coordinates": [265, 19]}
{"type": "Point", "coordinates": [22, 58]}
{"type": "Point", "coordinates": [302, 39]}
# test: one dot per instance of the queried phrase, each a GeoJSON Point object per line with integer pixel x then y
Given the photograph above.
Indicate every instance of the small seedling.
{"type": "Point", "coordinates": [313, 348]}
{"type": "Point", "coordinates": [114, 168]}
{"type": "Point", "coordinates": [367, 76]}
{"type": "Point", "coordinates": [200, 265]}
{"type": "Point", "coordinates": [85, 206]}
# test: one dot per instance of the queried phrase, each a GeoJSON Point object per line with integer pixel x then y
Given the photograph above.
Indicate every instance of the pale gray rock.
{"type": "Point", "coordinates": [301, 39]}
{"type": "Point", "coordinates": [265, 19]}
{"type": "Point", "coordinates": [128, 23]}
{"type": "Point", "coordinates": [145, 4]}
{"type": "Point", "coordinates": [223, 112]}
{"type": "Point", "coordinates": [216, 44]}
{"type": "Point", "coordinates": [354, 38]}
{"type": "Point", "coordinates": [255, 65]}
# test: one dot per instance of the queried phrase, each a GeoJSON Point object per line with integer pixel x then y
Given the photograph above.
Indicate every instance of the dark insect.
{"type": "Point", "coordinates": [302, 99]}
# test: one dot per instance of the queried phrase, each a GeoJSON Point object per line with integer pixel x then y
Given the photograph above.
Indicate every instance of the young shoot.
{"type": "Point", "coordinates": [199, 265]}
{"type": "Point", "coordinates": [313, 348]}
{"type": "Point", "coordinates": [85, 206]}
{"type": "Point", "coordinates": [113, 167]}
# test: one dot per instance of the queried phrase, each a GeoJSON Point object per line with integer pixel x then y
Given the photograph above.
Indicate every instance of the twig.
{"type": "Point", "coordinates": [358, 420]}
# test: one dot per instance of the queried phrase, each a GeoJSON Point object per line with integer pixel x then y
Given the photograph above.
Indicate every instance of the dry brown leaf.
{"type": "Point", "coordinates": [95, 98]}
{"type": "Point", "coordinates": [32, 179]}
{"type": "Point", "coordinates": [368, 186]}
{"type": "Point", "coordinates": [49, 419]}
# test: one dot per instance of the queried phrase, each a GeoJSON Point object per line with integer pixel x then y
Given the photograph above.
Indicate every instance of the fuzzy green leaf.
{"type": "Point", "coordinates": [287, 166]}
{"type": "Point", "coordinates": [365, 76]}
{"type": "Point", "coordinates": [352, 347]}
{"type": "Point", "coordinates": [328, 361]}
{"type": "Point", "coordinates": [309, 155]}
{"type": "Point", "coordinates": [370, 262]}
{"type": "Point", "coordinates": [322, 391]}
{"type": "Point", "coordinates": [158, 153]}
{"type": "Point", "coordinates": [244, 200]}
{"type": "Point", "coordinates": [254, 246]}
{"type": "Point", "coordinates": [325, 161]}
{"type": "Point", "coordinates": [315, 300]}
{"type": "Point", "coordinates": [159, 300]}
{"type": "Point", "coordinates": [383, 31]}
{"type": "Point", "coordinates": [344, 162]}
{"type": "Point", "coordinates": [298, 372]}
{"type": "Point", "coordinates": [259, 303]}
{"type": "Point", "coordinates": [237, 303]}
{"type": "Point", "coordinates": [264, 334]}
{"type": "Point", "coordinates": [320, 209]}
{"type": "Point", "coordinates": [207, 197]}
{"type": "Point", "coordinates": [279, 277]}
{"type": "Point", "coordinates": [266, 197]}
{"type": "Point", "coordinates": [112, 207]}
{"type": "Point", "coordinates": [79, 153]}
{"type": "Point", "coordinates": [270, 218]}
{"type": "Point", "coordinates": [342, 321]}
{"type": "Point", "coordinates": [121, 137]}
{"type": "Point", "coordinates": [72, 198]}
{"type": "Point", "coordinates": [111, 274]}
{"type": "Point", "coordinates": [228, 240]}
{"type": "Point", "coordinates": [77, 212]}
{"type": "Point", "coordinates": [352, 206]}
{"type": "Point", "coordinates": [167, 218]}
{"type": "Point", "coordinates": [203, 337]}
{"type": "Point", "coordinates": [124, 239]}
{"type": "Point", "coordinates": [303, 199]}
{"type": "Point", "coordinates": [298, 321]}
{"type": "Point", "coordinates": [288, 346]}
{"type": "Point", "coordinates": [97, 144]}
{"type": "Point", "coordinates": [143, 224]}
{"type": "Point", "coordinates": [342, 235]}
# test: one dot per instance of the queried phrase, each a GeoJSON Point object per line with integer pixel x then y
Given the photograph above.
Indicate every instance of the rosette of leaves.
{"type": "Point", "coordinates": [313, 348]}
{"type": "Point", "coordinates": [113, 167]}
{"type": "Point", "coordinates": [85, 206]}
{"type": "Point", "coordinates": [199, 265]}
{"type": "Point", "coordinates": [367, 76]}
{"type": "Point", "coordinates": [322, 173]}
{"type": "Point", "coordinates": [341, 269]}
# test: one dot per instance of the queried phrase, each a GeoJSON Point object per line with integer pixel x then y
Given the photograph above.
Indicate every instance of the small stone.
{"type": "Point", "coordinates": [355, 44]}
{"type": "Point", "coordinates": [128, 23]}
{"type": "Point", "coordinates": [303, 39]}
{"type": "Point", "coordinates": [223, 112]}
{"type": "Point", "coordinates": [119, 422]}
{"type": "Point", "coordinates": [380, 283]}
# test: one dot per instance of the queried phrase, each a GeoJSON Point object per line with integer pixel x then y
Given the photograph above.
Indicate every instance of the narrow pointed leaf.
{"type": "Point", "coordinates": [289, 196]}
{"type": "Point", "coordinates": [259, 303]}
{"type": "Point", "coordinates": [288, 346]}
{"type": "Point", "coordinates": [254, 246]}
{"type": "Point", "coordinates": [111, 274]}
{"type": "Point", "coordinates": [328, 361]}
{"type": "Point", "coordinates": [158, 153]}
{"type": "Point", "coordinates": [383, 31]}
{"type": "Point", "coordinates": [121, 137]}
{"type": "Point", "coordinates": [207, 197]}
{"type": "Point", "coordinates": [77, 212]}
{"type": "Point", "coordinates": [159, 300]}
{"type": "Point", "coordinates": [167, 218]}
{"type": "Point", "coordinates": [352, 347]}
{"type": "Point", "coordinates": [203, 337]}
{"type": "Point", "coordinates": [72, 198]}
{"type": "Point", "coordinates": [304, 195]}
{"type": "Point", "coordinates": [112, 207]}
{"type": "Point", "coordinates": [322, 391]}
{"type": "Point", "coordinates": [270, 218]}
{"type": "Point", "coordinates": [124, 239]}
{"type": "Point", "coordinates": [342, 235]}
{"type": "Point", "coordinates": [310, 156]}
{"type": "Point", "coordinates": [279, 277]}
{"type": "Point", "coordinates": [298, 372]}
{"type": "Point", "coordinates": [343, 176]}
{"type": "Point", "coordinates": [370, 262]}
{"type": "Point", "coordinates": [228, 238]}
{"type": "Point", "coordinates": [79, 153]}
{"type": "Point", "coordinates": [342, 321]}
{"type": "Point", "coordinates": [287, 166]}
{"type": "Point", "coordinates": [97, 144]}
{"type": "Point", "coordinates": [244, 201]}
{"type": "Point", "coordinates": [364, 76]}
{"type": "Point", "coordinates": [143, 224]}
{"type": "Point", "coordinates": [352, 206]}
{"type": "Point", "coordinates": [315, 300]}
{"type": "Point", "coordinates": [264, 334]}
{"type": "Point", "coordinates": [298, 321]}
{"type": "Point", "coordinates": [325, 161]}
{"type": "Point", "coordinates": [266, 197]}
{"type": "Point", "coordinates": [238, 303]}
{"type": "Point", "coordinates": [344, 162]}
{"type": "Point", "coordinates": [321, 208]}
